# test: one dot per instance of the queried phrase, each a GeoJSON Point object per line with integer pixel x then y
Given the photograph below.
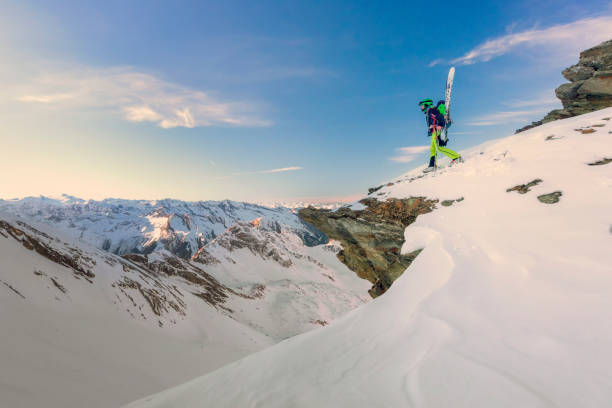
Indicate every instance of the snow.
{"type": "Point", "coordinates": [127, 226]}
{"type": "Point", "coordinates": [80, 348]}
{"type": "Point", "coordinates": [99, 345]}
{"type": "Point", "coordinates": [508, 304]}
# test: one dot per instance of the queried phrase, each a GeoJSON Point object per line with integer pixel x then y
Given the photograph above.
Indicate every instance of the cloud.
{"type": "Point", "coordinates": [137, 96]}
{"type": "Point", "coordinates": [407, 154]}
{"type": "Point", "coordinates": [546, 98]}
{"type": "Point", "coordinates": [44, 98]}
{"type": "Point", "coordinates": [270, 171]}
{"type": "Point", "coordinates": [435, 62]}
{"type": "Point", "coordinates": [281, 170]}
{"type": "Point", "coordinates": [506, 117]}
{"type": "Point", "coordinates": [564, 39]}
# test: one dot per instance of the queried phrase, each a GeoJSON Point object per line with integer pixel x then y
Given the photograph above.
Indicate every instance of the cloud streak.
{"type": "Point", "coordinates": [281, 170]}
{"type": "Point", "coordinates": [408, 154]}
{"type": "Point", "coordinates": [270, 171]}
{"type": "Point", "coordinates": [564, 38]}
{"type": "Point", "coordinates": [546, 98]}
{"type": "Point", "coordinates": [506, 117]}
{"type": "Point", "coordinates": [137, 97]}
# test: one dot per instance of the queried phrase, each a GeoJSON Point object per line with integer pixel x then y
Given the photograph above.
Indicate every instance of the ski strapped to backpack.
{"type": "Point", "coordinates": [447, 102]}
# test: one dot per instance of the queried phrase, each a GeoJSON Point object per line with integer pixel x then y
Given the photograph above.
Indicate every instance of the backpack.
{"type": "Point", "coordinates": [441, 107]}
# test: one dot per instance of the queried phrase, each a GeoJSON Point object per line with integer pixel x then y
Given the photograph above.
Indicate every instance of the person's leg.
{"type": "Point", "coordinates": [445, 150]}
{"type": "Point", "coordinates": [432, 150]}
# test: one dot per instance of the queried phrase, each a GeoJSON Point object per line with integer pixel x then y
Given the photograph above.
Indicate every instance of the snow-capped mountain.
{"type": "Point", "coordinates": [117, 299]}
{"type": "Point", "coordinates": [507, 305]}
{"type": "Point", "coordinates": [139, 226]}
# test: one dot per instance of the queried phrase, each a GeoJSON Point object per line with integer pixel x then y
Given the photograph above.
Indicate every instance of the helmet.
{"type": "Point", "coordinates": [425, 103]}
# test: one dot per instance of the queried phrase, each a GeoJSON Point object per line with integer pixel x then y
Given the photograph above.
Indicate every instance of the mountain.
{"type": "Point", "coordinates": [103, 302]}
{"type": "Point", "coordinates": [507, 303]}
{"type": "Point", "coordinates": [139, 226]}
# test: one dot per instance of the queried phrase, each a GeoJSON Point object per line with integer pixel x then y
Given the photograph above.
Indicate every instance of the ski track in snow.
{"type": "Point", "coordinates": [508, 305]}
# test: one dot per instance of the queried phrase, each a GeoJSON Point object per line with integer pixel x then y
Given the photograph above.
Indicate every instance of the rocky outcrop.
{"type": "Point", "coordinates": [371, 238]}
{"type": "Point", "coordinates": [590, 86]}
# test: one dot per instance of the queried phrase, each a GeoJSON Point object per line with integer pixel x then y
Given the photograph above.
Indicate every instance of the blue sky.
{"type": "Point", "coordinates": [264, 100]}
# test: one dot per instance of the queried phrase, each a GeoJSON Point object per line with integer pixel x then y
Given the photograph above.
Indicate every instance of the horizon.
{"type": "Point", "coordinates": [267, 102]}
{"type": "Point", "coordinates": [271, 203]}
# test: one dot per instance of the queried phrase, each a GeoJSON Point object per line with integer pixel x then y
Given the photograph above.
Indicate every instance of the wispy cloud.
{"type": "Point", "coordinates": [506, 117]}
{"type": "Point", "coordinates": [564, 38]}
{"type": "Point", "coordinates": [138, 97]}
{"type": "Point", "coordinates": [407, 154]}
{"type": "Point", "coordinates": [546, 98]}
{"type": "Point", "coordinates": [281, 170]}
{"type": "Point", "coordinates": [270, 171]}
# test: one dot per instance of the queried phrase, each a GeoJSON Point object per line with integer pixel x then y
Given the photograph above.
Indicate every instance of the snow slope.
{"type": "Point", "coordinates": [84, 327]}
{"type": "Point", "coordinates": [508, 305]}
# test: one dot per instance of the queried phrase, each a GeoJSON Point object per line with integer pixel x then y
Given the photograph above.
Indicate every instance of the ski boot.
{"type": "Point", "coordinates": [457, 160]}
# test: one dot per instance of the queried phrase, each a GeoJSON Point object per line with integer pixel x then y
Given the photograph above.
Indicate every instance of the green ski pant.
{"type": "Point", "coordinates": [435, 146]}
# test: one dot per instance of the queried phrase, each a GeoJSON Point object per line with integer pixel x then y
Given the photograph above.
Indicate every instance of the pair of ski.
{"type": "Point", "coordinates": [447, 101]}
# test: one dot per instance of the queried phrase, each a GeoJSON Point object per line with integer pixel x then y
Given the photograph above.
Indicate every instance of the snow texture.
{"type": "Point", "coordinates": [508, 305]}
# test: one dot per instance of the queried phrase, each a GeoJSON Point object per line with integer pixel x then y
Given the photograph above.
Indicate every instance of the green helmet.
{"type": "Point", "coordinates": [425, 103]}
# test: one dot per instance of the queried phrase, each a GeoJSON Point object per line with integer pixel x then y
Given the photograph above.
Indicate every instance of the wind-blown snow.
{"type": "Point", "coordinates": [508, 305]}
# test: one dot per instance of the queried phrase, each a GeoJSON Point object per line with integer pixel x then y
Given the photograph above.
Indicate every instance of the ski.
{"type": "Point", "coordinates": [447, 99]}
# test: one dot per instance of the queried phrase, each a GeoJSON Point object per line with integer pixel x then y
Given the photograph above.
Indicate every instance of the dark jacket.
{"type": "Point", "coordinates": [432, 116]}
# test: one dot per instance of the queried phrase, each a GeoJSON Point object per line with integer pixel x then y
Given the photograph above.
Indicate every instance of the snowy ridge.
{"type": "Point", "coordinates": [139, 226]}
{"type": "Point", "coordinates": [506, 306]}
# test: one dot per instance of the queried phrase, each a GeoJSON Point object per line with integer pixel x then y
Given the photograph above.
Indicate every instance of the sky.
{"type": "Point", "coordinates": [265, 101]}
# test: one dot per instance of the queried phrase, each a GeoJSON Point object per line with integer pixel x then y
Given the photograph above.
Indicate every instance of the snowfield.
{"type": "Point", "coordinates": [84, 327]}
{"type": "Point", "coordinates": [508, 305]}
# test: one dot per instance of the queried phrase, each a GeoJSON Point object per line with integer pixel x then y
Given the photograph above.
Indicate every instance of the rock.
{"type": "Point", "coordinates": [567, 92]}
{"type": "Point", "coordinates": [590, 86]}
{"type": "Point", "coordinates": [550, 198]}
{"type": "Point", "coordinates": [374, 189]}
{"type": "Point", "coordinates": [372, 238]}
{"type": "Point", "coordinates": [448, 203]}
{"type": "Point", "coordinates": [596, 88]}
{"type": "Point", "coordinates": [524, 188]}
{"type": "Point", "coordinates": [601, 162]}
{"type": "Point", "coordinates": [578, 73]}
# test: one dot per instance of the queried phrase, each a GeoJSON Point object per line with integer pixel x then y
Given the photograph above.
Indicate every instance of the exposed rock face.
{"type": "Point", "coordinates": [590, 86]}
{"type": "Point", "coordinates": [372, 238]}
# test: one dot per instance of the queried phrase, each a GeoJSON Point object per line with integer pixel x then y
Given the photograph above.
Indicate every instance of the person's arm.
{"type": "Point", "coordinates": [429, 118]}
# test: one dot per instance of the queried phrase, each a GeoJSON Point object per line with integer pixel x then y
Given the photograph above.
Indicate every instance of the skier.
{"type": "Point", "coordinates": [434, 115]}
